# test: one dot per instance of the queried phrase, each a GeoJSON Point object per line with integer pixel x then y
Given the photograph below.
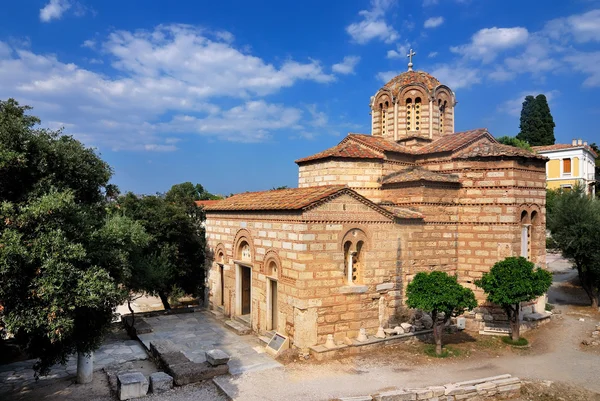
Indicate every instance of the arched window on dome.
{"type": "Point", "coordinates": [417, 126]}
{"type": "Point", "coordinates": [442, 110]}
{"type": "Point", "coordinates": [409, 114]}
{"type": "Point", "coordinates": [383, 112]}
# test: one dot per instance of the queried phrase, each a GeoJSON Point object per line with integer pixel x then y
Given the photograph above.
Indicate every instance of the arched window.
{"type": "Point", "coordinates": [244, 252]}
{"type": "Point", "coordinates": [525, 235]}
{"type": "Point", "coordinates": [442, 110]}
{"type": "Point", "coordinates": [417, 126]}
{"type": "Point", "coordinates": [409, 114]}
{"type": "Point", "coordinates": [383, 112]}
{"type": "Point", "coordinates": [354, 242]}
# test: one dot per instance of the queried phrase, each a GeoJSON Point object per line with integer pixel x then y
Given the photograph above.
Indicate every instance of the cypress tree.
{"type": "Point", "coordinates": [537, 124]}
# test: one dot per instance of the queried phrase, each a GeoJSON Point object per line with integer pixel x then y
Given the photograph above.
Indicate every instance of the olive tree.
{"type": "Point", "coordinates": [440, 295]}
{"type": "Point", "coordinates": [512, 281]}
{"type": "Point", "coordinates": [61, 257]}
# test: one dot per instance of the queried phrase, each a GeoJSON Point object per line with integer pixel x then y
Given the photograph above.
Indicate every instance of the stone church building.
{"type": "Point", "coordinates": [335, 254]}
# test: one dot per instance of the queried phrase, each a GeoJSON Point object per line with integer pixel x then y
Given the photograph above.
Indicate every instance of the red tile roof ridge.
{"type": "Point", "coordinates": [561, 146]}
{"type": "Point", "coordinates": [207, 202]}
{"type": "Point", "coordinates": [279, 199]}
{"type": "Point", "coordinates": [455, 141]}
{"type": "Point", "coordinates": [344, 149]}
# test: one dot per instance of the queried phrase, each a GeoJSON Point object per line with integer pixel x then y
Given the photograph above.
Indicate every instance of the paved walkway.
{"type": "Point", "coordinates": [19, 375]}
{"type": "Point", "coordinates": [195, 333]}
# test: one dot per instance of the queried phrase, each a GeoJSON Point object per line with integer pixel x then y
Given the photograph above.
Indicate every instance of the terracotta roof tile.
{"type": "Point", "coordinates": [345, 149]}
{"type": "Point", "coordinates": [412, 77]}
{"type": "Point", "coordinates": [206, 203]}
{"type": "Point", "coordinates": [379, 143]}
{"type": "Point", "coordinates": [490, 149]}
{"type": "Point", "coordinates": [418, 174]}
{"type": "Point", "coordinates": [282, 199]}
{"type": "Point", "coordinates": [562, 146]}
{"type": "Point", "coordinates": [454, 141]}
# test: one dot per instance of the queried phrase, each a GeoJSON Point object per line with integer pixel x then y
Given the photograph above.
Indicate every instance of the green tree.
{"type": "Point", "coordinates": [512, 281]}
{"type": "Point", "coordinates": [537, 124]}
{"type": "Point", "coordinates": [59, 280]}
{"type": "Point", "coordinates": [438, 293]}
{"type": "Point", "coordinates": [186, 192]}
{"type": "Point", "coordinates": [512, 141]}
{"type": "Point", "coordinates": [173, 260]}
{"type": "Point", "coordinates": [573, 221]}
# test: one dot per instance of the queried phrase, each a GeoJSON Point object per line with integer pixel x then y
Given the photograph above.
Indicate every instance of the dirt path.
{"type": "Point", "coordinates": [555, 354]}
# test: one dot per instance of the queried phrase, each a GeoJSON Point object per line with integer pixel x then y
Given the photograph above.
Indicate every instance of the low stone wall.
{"type": "Point", "coordinates": [497, 387]}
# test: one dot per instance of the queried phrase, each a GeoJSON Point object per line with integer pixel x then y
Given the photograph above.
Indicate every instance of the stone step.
{"type": "Point", "coordinates": [496, 329]}
{"type": "Point", "coordinates": [218, 314]}
{"type": "Point", "coordinates": [264, 339]}
{"type": "Point", "coordinates": [244, 319]}
{"type": "Point", "coordinates": [239, 328]}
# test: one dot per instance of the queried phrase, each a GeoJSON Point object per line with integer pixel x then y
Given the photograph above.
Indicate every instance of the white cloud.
{"type": "Point", "coordinates": [346, 66]}
{"type": "Point", "coordinates": [373, 24]}
{"type": "Point", "coordinates": [386, 76]}
{"type": "Point", "coordinates": [90, 44]}
{"type": "Point", "coordinates": [400, 52]}
{"type": "Point", "coordinates": [427, 3]}
{"type": "Point", "coordinates": [150, 76]}
{"type": "Point", "coordinates": [432, 54]}
{"type": "Point", "coordinates": [433, 22]}
{"type": "Point", "coordinates": [580, 27]}
{"type": "Point", "coordinates": [488, 42]}
{"type": "Point", "coordinates": [587, 63]}
{"type": "Point", "coordinates": [54, 10]}
{"type": "Point", "coordinates": [457, 76]}
{"type": "Point", "coordinates": [513, 106]}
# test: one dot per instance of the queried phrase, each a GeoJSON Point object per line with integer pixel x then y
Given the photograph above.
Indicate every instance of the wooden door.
{"type": "Point", "coordinates": [246, 296]}
{"type": "Point", "coordinates": [274, 310]}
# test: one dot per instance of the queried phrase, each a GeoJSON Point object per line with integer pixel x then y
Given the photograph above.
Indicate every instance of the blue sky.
{"type": "Point", "coordinates": [230, 93]}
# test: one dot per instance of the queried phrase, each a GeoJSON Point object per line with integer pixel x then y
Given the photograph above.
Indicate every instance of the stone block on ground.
{"type": "Point", "coordinates": [131, 385]}
{"type": "Point", "coordinates": [407, 327]}
{"type": "Point", "coordinates": [172, 358]}
{"type": "Point", "coordinates": [191, 372]}
{"type": "Point", "coordinates": [216, 357]}
{"type": "Point", "coordinates": [160, 382]}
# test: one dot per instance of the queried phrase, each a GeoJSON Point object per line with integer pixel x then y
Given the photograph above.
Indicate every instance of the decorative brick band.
{"type": "Point", "coordinates": [503, 386]}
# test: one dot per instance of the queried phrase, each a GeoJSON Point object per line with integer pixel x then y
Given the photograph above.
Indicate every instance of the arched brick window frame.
{"type": "Point", "coordinates": [242, 237]}
{"type": "Point", "coordinates": [354, 245]}
{"type": "Point", "coordinates": [272, 265]}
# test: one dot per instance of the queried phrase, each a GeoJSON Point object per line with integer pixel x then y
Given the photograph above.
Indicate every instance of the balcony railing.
{"type": "Point", "coordinates": [592, 177]}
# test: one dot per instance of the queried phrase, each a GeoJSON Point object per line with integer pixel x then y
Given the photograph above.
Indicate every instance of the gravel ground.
{"type": "Point", "coordinates": [205, 391]}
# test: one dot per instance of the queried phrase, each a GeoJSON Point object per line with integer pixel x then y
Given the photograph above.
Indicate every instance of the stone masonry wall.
{"type": "Point", "coordinates": [497, 387]}
{"type": "Point", "coordinates": [355, 174]}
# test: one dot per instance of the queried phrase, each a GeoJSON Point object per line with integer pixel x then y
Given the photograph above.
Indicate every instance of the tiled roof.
{"type": "Point", "coordinates": [379, 143]}
{"type": "Point", "coordinates": [454, 141]}
{"type": "Point", "coordinates": [206, 203]}
{"type": "Point", "coordinates": [412, 77]}
{"type": "Point", "coordinates": [489, 149]}
{"type": "Point", "coordinates": [298, 199]}
{"type": "Point", "coordinates": [282, 199]}
{"type": "Point", "coordinates": [418, 174]}
{"type": "Point", "coordinates": [402, 213]}
{"type": "Point", "coordinates": [346, 149]}
{"type": "Point", "coordinates": [562, 146]}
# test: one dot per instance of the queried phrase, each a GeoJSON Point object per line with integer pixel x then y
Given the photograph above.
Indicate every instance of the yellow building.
{"type": "Point", "coordinates": [570, 164]}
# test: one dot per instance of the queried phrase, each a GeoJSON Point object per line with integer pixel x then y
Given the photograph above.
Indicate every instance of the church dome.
{"type": "Point", "coordinates": [411, 78]}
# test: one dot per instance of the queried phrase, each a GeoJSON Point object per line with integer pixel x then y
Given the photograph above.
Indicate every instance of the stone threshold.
{"type": "Point", "coordinates": [321, 349]}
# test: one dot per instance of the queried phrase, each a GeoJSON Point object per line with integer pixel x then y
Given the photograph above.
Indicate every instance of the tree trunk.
{"type": "Point", "coordinates": [515, 324]}
{"type": "Point", "coordinates": [85, 368]}
{"type": "Point", "coordinates": [438, 328]}
{"type": "Point", "coordinates": [165, 300]}
{"type": "Point", "coordinates": [587, 287]}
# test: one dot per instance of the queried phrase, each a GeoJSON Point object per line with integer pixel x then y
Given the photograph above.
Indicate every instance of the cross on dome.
{"type": "Point", "coordinates": [410, 55]}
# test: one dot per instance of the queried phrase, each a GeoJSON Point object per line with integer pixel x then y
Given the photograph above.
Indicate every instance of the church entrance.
{"type": "Point", "coordinates": [245, 283]}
